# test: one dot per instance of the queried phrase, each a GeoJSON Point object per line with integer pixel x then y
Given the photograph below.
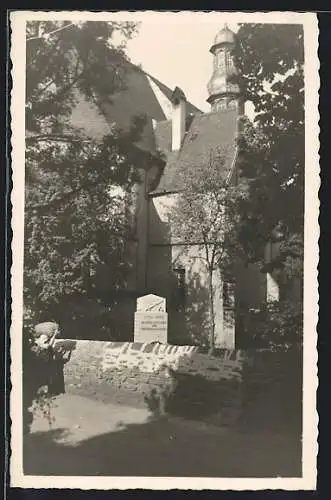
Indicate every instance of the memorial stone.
{"type": "Point", "coordinates": [151, 319]}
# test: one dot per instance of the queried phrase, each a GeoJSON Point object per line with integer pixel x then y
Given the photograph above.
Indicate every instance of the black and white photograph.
{"type": "Point", "coordinates": [165, 250]}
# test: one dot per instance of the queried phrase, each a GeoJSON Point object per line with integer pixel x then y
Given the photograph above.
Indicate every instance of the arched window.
{"type": "Point", "coordinates": [228, 59]}
{"type": "Point", "coordinates": [221, 59]}
{"type": "Point", "coordinates": [179, 274]}
{"type": "Point", "coordinates": [228, 302]}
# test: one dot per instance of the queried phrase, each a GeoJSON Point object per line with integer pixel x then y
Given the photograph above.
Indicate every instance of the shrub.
{"type": "Point", "coordinates": [278, 325]}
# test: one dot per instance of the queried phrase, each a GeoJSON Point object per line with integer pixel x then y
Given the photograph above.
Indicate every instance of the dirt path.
{"type": "Point", "coordinates": [93, 438]}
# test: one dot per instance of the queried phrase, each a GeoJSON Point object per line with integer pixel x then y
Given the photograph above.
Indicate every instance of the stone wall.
{"type": "Point", "coordinates": [181, 380]}
{"type": "Point", "coordinates": [261, 388]}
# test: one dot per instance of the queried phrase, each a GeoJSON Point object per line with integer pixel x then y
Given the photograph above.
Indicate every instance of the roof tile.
{"type": "Point", "coordinates": [136, 99]}
{"type": "Point", "coordinates": [207, 133]}
{"type": "Point", "coordinates": [163, 136]}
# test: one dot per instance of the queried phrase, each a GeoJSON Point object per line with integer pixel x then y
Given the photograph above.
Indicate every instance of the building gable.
{"type": "Point", "coordinates": [143, 95]}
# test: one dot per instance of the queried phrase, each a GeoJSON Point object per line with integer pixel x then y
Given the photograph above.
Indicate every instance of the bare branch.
{"type": "Point", "coordinates": [57, 137]}
{"type": "Point", "coordinates": [46, 35]}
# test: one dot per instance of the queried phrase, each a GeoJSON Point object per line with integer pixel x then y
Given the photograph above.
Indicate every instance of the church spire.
{"type": "Point", "coordinates": [223, 93]}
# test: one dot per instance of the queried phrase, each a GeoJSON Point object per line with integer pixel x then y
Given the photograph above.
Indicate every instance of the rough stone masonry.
{"type": "Point", "coordinates": [193, 383]}
{"type": "Point", "coordinates": [218, 389]}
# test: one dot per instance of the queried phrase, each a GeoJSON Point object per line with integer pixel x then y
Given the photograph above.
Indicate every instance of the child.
{"type": "Point", "coordinates": [45, 335]}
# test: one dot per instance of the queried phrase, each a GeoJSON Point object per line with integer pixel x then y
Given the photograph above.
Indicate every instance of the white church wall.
{"type": "Point", "coordinates": [272, 289]}
{"type": "Point", "coordinates": [152, 228]}
{"type": "Point", "coordinates": [197, 296]}
{"type": "Point", "coordinates": [165, 257]}
{"type": "Point", "coordinates": [159, 223]}
{"type": "Point", "coordinates": [162, 99]}
{"type": "Point", "coordinates": [190, 319]}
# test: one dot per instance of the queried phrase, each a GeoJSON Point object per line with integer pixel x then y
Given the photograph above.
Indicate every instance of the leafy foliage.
{"type": "Point", "coordinates": [79, 191]}
{"type": "Point", "coordinates": [206, 214]}
{"type": "Point", "coordinates": [279, 325]}
{"type": "Point", "coordinates": [270, 60]}
{"type": "Point", "coordinates": [63, 58]}
{"type": "Point", "coordinates": [78, 214]}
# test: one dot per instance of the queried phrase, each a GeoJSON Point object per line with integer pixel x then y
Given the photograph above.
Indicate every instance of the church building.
{"type": "Point", "coordinates": [168, 268]}
{"type": "Point", "coordinates": [186, 137]}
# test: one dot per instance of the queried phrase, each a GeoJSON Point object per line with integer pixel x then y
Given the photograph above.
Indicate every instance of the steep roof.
{"type": "Point", "coordinates": [207, 133]}
{"type": "Point", "coordinates": [190, 108]}
{"type": "Point", "coordinates": [163, 135]}
{"type": "Point", "coordinates": [143, 95]}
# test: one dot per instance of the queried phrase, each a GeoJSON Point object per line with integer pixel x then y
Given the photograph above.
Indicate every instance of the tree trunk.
{"type": "Point", "coordinates": [212, 315]}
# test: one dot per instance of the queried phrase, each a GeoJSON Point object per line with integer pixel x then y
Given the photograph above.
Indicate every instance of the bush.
{"type": "Point", "coordinates": [278, 325]}
{"type": "Point", "coordinates": [108, 317]}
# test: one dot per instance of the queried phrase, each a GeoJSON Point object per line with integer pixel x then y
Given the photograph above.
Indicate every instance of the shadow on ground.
{"type": "Point", "coordinates": [161, 447]}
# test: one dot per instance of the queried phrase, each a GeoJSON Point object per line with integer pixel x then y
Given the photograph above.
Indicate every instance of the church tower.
{"type": "Point", "coordinates": [223, 93]}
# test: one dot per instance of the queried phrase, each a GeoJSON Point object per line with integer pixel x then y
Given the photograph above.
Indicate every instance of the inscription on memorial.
{"type": "Point", "coordinates": [151, 320]}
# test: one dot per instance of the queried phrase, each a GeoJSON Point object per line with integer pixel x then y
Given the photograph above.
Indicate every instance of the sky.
{"type": "Point", "coordinates": [175, 50]}
{"type": "Point", "coordinates": [174, 46]}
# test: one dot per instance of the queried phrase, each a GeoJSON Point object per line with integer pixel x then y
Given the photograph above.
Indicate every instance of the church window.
{"type": "Point", "coordinates": [226, 294]}
{"type": "Point", "coordinates": [221, 59]}
{"type": "Point", "coordinates": [228, 302]}
{"type": "Point", "coordinates": [221, 105]}
{"type": "Point", "coordinates": [179, 274]}
{"type": "Point", "coordinates": [228, 59]}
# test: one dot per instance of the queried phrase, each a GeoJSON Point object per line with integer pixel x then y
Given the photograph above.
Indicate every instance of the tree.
{"type": "Point", "coordinates": [270, 61]}
{"type": "Point", "coordinates": [63, 58]}
{"type": "Point", "coordinates": [74, 221]}
{"type": "Point", "coordinates": [206, 215]}
{"type": "Point", "coordinates": [78, 191]}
